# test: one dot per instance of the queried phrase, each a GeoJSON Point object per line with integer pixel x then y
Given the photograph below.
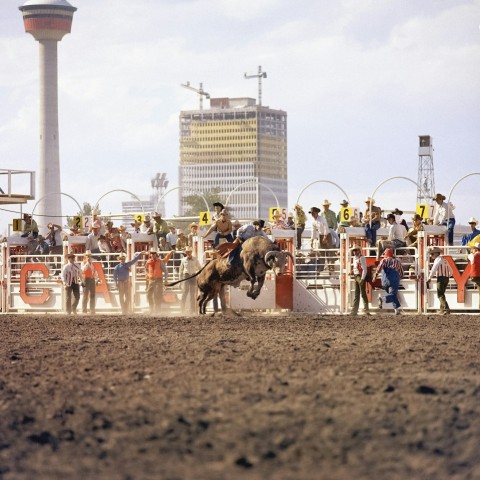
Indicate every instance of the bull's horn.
{"type": "Point", "coordinates": [271, 253]}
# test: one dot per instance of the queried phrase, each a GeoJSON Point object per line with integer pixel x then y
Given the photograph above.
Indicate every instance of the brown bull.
{"type": "Point", "coordinates": [253, 259]}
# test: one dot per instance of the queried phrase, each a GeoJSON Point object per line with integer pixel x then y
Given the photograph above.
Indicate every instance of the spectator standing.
{"type": "Point", "coordinates": [192, 236]}
{"type": "Point", "coordinates": [392, 272]}
{"type": "Point", "coordinates": [300, 221]}
{"type": "Point", "coordinates": [442, 271]}
{"type": "Point", "coordinates": [474, 259]}
{"type": "Point", "coordinates": [156, 275]}
{"type": "Point", "coordinates": [71, 278]}
{"type": "Point", "coordinates": [320, 230]}
{"type": "Point", "coordinates": [398, 218]}
{"type": "Point", "coordinates": [189, 266]}
{"type": "Point", "coordinates": [121, 277]}
{"type": "Point", "coordinates": [146, 226]}
{"type": "Point", "coordinates": [329, 215]}
{"type": "Point", "coordinates": [172, 236]}
{"type": "Point", "coordinates": [444, 215]}
{"type": "Point", "coordinates": [93, 237]}
{"type": "Point", "coordinates": [472, 221]}
{"type": "Point", "coordinates": [359, 269]}
{"type": "Point", "coordinates": [90, 280]}
{"type": "Point", "coordinates": [53, 236]}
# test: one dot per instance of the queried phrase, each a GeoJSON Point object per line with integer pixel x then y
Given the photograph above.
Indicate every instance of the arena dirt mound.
{"type": "Point", "coordinates": [270, 397]}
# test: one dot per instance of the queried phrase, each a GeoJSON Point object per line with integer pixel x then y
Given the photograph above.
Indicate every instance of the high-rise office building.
{"type": "Point", "coordinates": [238, 147]}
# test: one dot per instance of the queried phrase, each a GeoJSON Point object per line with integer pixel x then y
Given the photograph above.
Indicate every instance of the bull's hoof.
{"type": "Point", "coordinates": [250, 294]}
{"type": "Point", "coordinates": [254, 295]}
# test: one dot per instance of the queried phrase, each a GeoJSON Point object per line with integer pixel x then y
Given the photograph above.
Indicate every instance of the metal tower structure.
{"type": "Point", "coordinates": [426, 175]}
{"type": "Point", "coordinates": [259, 75]}
{"type": "Point", "coordinates": [201, 92]}
{"type": "Point", "coordinates": [48, 21]}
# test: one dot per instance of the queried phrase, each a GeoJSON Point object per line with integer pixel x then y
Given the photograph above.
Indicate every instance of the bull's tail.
{"type": "Point", "coordinates": [187, 278]}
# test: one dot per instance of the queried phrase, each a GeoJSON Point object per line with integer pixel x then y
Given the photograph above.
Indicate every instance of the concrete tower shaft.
{"type": "Point", "coordinates": [48, 21]}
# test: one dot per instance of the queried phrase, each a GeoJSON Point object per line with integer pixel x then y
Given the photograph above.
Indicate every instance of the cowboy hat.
{"type": "Point", "coordinates": [71, 255]}
{"type": "Point", "coordinates": [344, 203]}
{"type": "Point", "coordinates": [122, 227]}
{"type": "Point", "coordinates": [472, 220]}
{"type": "Point", "coordinates": [326, 203]}
{"type": "Point", "coordinates": [397, 212]}
{"type": "Point", "coordinates": [277, 213]}
{"type": "Point", "coordinates": [157, 215]}
{"type": "Point", "coordinates": [153, 250]}
{"type": "Point", "coordinates": [122, 255]}
{"type": "Point", "coordinates": [370, 200]}
{"type": "Point", "coordinates": [88, 253]}
{"type": "Point", "coordinates": [439, 196]}
{"type": "Point", "coordinates": [193, 225]}
{"type": "Point", "coordinates": [188, 249]}
{"type": "Point", "coordinates": [218, 204]}
{"type": "Point", "coordinates": [314, 209]}
{"type": "Point", "coordinates": [416, 217]}
{"type": "Point", "coordinates": [435, 250]}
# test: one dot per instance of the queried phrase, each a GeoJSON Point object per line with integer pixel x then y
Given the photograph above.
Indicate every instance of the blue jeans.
{"type": "Point", "coordinates": [371, 232]}
{"type": "Point", "coordinates": [450, 224]}
{"type": "Point", "coordinates": [390, 283]}
{"type": "Point", "coordinates": [218, 236]}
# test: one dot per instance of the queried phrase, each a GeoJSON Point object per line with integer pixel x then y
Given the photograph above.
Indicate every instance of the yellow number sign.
{"type": "Point", "coordinates": [423, 210]}
{"type": "Point", "coordinates": [17, 225]}
{"type": "Point", "coordinates": [139, 217]}
{"type": "Point", "coordinates": [78, 221]}
{"type": "Point", "coordinates": [346, 214]}
{"type": "Point", "coordinates": [204, 218]}
{"type": "Point", "coordinates": [271, 213]}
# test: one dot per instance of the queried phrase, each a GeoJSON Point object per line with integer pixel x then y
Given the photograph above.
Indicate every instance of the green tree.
{"type": "Point", "coordinates": [197, 203]}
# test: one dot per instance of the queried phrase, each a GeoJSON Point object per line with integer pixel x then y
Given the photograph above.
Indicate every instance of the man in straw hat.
{"type": "Point", "coordinates": [278, 222]}
{"type": "Point", "coordinates": [359, 269]}
{"type": "Point", "coordinates": [342, 224]}
{"type": "Point", "coordinates": [121, 277]}
{"type": "Point", "coordinates": [474, 259]}
{"type": "Point", "coordinates": [30, 227]}
{"type": "Point", "coordinates": [72, 279]}
{"type": "Point", "coordinates": [472, 221]}
{"type": "Point", "coordinates": [156, 275]}
{"type": "Point", "coordinates": [300, 221]}
{"type": "Point", "coordinates": [444, 215]}
{"type": "Point", "coordinates": [90, 279]}
{"type": "Point", "coordinates": [189, 265]}
{"type": "Point", "coordinates": [329, 215]}
{"type": "Point", "coordinates": [442, 271]}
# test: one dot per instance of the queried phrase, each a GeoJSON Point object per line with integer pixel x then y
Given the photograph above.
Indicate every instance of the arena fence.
{"type": "Point", "coordinates": [318, 281]}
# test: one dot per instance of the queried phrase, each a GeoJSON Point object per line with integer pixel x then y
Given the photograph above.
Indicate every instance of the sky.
{"type": "Point", "coordinates": [360, 80]}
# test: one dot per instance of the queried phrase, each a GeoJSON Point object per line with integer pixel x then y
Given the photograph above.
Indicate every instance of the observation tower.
{"type": "Point", "coordinates": [48, 21]}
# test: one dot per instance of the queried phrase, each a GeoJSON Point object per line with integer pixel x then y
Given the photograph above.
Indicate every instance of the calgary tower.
{"type": "Point", "coordinates": [48, 21]}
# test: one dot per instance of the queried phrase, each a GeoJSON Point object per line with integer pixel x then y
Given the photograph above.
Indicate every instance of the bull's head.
{"type": "Point", "coordinates": [277, 260]}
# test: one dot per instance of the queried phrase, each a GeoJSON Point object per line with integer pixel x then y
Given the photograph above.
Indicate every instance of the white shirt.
{"type": "Point", "coordinates": [189, 266]}
{"type": "Point", "coordinates": [396, 232]}
{"type": "Point", "coordinates": [359, 265]}
{"type": "Point", "coordinates": [319, 227]}
{"type": "Point", "coordinates": [248, 231]}
{"type": "Point", "coordinates": [71, 273]}
{"type": "Point", "coordinates": [441, 213]}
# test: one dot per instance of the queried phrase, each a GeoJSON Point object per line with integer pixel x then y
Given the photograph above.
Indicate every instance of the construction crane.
{"type": "Point", "coordinates": [200, 91]}
{"type": "Point", "coordinates": [259, 75]}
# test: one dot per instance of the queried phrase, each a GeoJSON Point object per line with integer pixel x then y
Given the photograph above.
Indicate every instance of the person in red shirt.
{"type": "Point", "coordinates": [474, 259]}
{"type": "Point", "coordinates": [90, 280]}
{"type": "Point", "coordinates": [156, 275]}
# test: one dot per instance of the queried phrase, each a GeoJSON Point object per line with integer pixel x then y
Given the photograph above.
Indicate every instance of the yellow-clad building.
{"type": "Point", "coordinates": [241, 148]}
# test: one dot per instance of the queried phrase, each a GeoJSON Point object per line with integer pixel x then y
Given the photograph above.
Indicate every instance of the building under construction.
{"type": "Point", "coordinates": [239, 147]}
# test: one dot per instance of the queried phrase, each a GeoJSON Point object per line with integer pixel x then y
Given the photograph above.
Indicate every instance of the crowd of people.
{"type": "Point", "coordinates": [172, 242]}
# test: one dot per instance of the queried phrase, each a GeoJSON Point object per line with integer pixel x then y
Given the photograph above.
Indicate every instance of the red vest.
{"type": "Point", "coordinates": [475, 268]}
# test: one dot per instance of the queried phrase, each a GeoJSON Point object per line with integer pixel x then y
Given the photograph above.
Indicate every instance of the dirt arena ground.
{"type": "Point", "coordinates": [258, 397]}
